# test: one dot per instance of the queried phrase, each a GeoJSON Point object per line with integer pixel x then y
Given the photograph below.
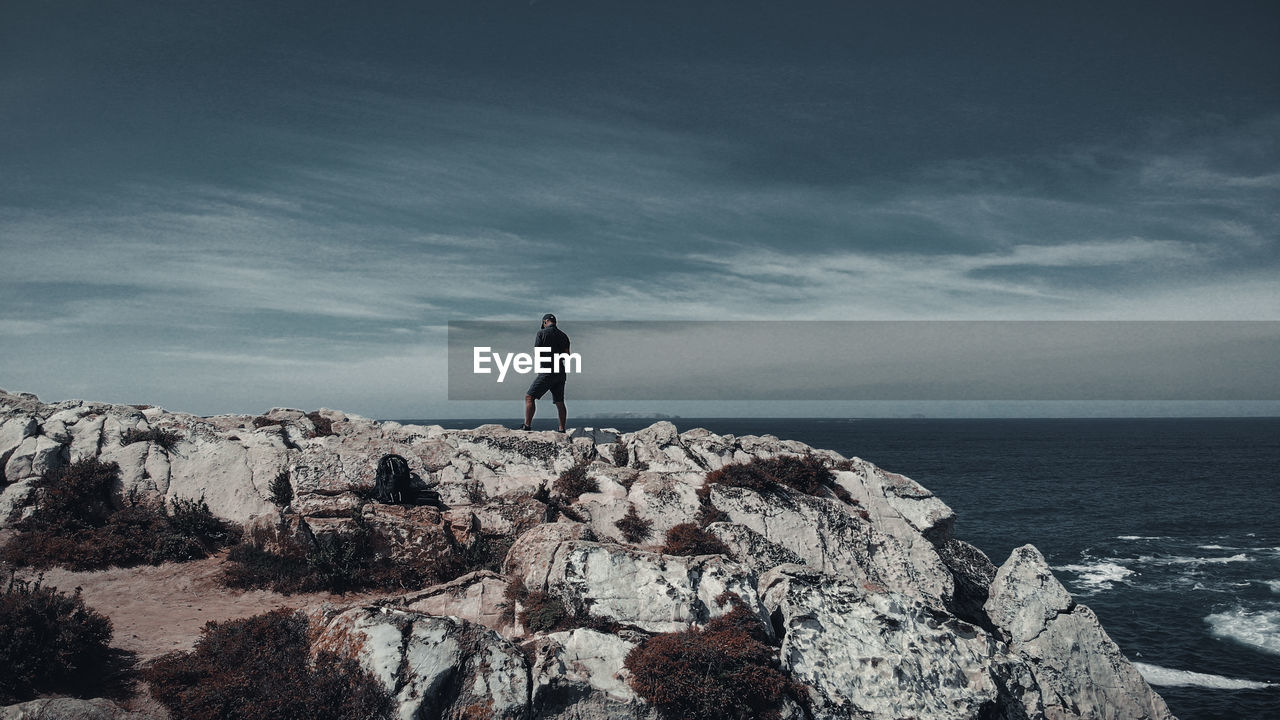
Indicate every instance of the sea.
{"type": "Point", "coordinates": [1169, 529]}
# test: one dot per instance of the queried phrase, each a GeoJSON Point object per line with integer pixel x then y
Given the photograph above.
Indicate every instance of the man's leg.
{"type": "Point", "coordinates": [529, 407]}
{"type": "Point", "coordinates": [563, 414]}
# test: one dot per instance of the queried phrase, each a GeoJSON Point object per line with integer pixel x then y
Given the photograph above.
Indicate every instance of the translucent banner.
{"type": "Point", "coordinates": [876, 360]}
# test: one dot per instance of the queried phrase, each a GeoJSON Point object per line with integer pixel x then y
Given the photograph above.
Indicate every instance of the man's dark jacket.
{"type": "Point", "coordinates": [552, 337]}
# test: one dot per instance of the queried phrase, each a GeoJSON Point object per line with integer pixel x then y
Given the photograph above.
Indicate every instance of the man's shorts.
{"type": "Point", "coordinates": [548, 381]}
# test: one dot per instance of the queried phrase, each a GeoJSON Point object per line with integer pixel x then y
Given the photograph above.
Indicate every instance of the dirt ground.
{"type": "Point", "coordinates": [158, 609]}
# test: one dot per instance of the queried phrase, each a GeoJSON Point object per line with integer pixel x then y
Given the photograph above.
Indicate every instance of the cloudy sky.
{"type": "Point", "coordinates": [223, 207]}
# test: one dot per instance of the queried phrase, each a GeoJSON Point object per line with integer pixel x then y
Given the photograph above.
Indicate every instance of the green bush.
{"type": "Point", "coordinates": [74, 525]}
{"type": "Point", "coordinates": [724, 671]}
{"type": "Point", "coordinates": [260, 668]}
{"type": "Point", "coordinates": [52, 643]}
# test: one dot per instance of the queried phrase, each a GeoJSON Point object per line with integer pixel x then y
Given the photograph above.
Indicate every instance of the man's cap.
{"type": "Point", "coordinates": [548, 316]}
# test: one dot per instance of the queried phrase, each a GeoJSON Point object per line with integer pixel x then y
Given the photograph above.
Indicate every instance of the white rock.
{"type": "Point", "coordinates": [580, 674]}
{"type": "Point", "coordinates": [880, 654]}
{"type": "Point", "coordinates": [654, 592]}
{"type": "Point", "coordinates": [1080, 669]}
{"type": "Point", "coordinates": [477, 597]}
{"type": "Point", "coordinates": [417, 656]}
{"type": "Point", "coordinates": [66, 708]}
{"type": "Point", "coordinates": [830, 536]}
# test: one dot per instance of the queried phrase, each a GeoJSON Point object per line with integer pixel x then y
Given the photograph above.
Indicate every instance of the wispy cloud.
{"type": "Point", "coordinates": [340, 248]}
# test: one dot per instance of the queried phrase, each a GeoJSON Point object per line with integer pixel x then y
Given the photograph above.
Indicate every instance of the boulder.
{"type": "Point", "coordinates": [477, 597]}
{"type": "Point", "coordinates": [1080, 670]}
{"type": "Point", "coordinates": [831, 536]}
{"type": "Point", "coordinates": [69, 709]}
{"type": "Point", "coordinates": [433, 666]}
{"type": "Point", "coordinates": [579, 674]}
{"type": "Point", "coordinates": [849, 645]}
{"type": "Point", "coordinates": [650, 591]}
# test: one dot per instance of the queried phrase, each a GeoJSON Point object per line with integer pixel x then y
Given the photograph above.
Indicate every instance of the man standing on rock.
{"type": "Point", "coordinates": [551, 337]}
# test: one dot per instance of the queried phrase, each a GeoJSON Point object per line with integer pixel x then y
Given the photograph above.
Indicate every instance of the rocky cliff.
{"type": "Point", "coordinates": [875, 608]}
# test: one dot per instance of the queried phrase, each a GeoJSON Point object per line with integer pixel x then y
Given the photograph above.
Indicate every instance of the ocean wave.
{"type": "Point", "coordinates": [1186, 560]}
{"type": "Point", "coordinates": [1274, 585]}
{"type": "Point", "coordinates": [1167, 677]}
{"type": "Point", "coordinates": [1097, 576]}
{"type": "Point", "coordinates": [1142, 537]}
{"type": "Point", "coordinates": [1258, 629]}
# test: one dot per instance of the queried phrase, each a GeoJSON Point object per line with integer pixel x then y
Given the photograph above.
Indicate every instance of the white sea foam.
{"type": "Point", "coordinates": [1141, 537]}
{"type": "Point", "coordinates": [1097, 576]}
{"type": "Point", "coordinates": [1258, 629]}
{"type": "Point", "coordinates": [1185, 560]}
{"type": "Point", "coordinates": [1167, 677]}
{"type": "Point", "coordinates": [1274, 585]}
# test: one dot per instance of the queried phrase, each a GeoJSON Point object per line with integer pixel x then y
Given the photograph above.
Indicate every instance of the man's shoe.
{"type": "Point", "coordinates": [526, 427]}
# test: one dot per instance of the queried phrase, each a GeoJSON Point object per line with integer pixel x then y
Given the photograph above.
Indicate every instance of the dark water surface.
{"type": "Point", "coordinates": [1168, 528]}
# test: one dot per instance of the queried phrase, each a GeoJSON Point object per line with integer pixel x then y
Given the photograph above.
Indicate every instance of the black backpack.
{"type": "Point", "coordinates": [392, 484]}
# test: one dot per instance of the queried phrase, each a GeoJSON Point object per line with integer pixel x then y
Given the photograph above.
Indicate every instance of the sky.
{"type": "Point", "coordinates": [225, 207]}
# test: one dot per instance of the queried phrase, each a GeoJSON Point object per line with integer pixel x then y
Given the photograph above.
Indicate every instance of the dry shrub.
{"type": "Point", "coordinates": [164, 438]}
{"type": "Point", "coordinates": [724, 671]}
{"type": "Point", "coordinates": [634, 528]}
{"type": "Point", "coordinates": [335, 563]}
{"type": "Point", "coordinates": [708, 514]}
{"type": "Point", "coordinates": [804, 474]}
{"type": "Point", "coordinates": [52, 643]}
{"type": "Point", "coordinates": [575, 481]}
{"type": "Point", "coordinates": [621, 456]}
{"type": "Point", "coordinates": [324, 426]}
{"type": "Point", "coordinates": [689, 539]}
{"type": "Point", "coordinates": [73, 525]}
{"type": "Point", "coordinates": [556, 507]}
{"type": "Point", "coordinates": [281, 490]}
{"type": "Point", "coordinates": [360, 559]}
{"type": "Point", "coordinates": [260, 668]}
{"type": "Point", "coordinates": [542, 612]}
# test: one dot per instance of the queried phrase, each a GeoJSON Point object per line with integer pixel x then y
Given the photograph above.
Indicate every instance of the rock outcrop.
{"type": "Point", "coordinates": [876, 609]}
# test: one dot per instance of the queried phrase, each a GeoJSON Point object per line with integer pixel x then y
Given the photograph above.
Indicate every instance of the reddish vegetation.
{"type": "Point", "coordinates": [621, 456]}
{"type": "Point", "coordinates": [74, 525]}
{"type": "Point", "coordinates": [804, 474]}
{"type": "Point", "coordinates": [324, 426]}
{"type": "Point", "coordinates": [575, 481]}
{"type": "Point", "coordinates": [634, 528]}
{"type": "Point", "coordinates": [542, 612]}
{"type": "Point", "coordinates": [51, 642]}
{"type": "Point", "coordinates": [720, 672]}
{"type": "Point", "coordinates": [689, 539]}
{"type": "Point", "coordinates": [260, 668]}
